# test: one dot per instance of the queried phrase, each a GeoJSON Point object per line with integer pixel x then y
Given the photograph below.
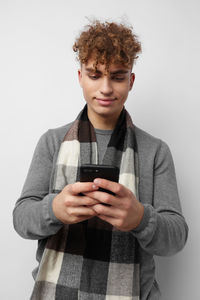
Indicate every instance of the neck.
{"type": "Point", "coordinates": [103, 122]}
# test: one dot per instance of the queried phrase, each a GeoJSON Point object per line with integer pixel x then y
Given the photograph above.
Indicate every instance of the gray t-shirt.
{"type": "Point", "coordinates": [103, 138]}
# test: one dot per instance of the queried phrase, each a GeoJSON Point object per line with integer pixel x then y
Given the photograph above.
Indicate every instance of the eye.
{"type": "Point", "coordinates": [118, 78]}
{"type": "Point", "coordinates": [93, 77]}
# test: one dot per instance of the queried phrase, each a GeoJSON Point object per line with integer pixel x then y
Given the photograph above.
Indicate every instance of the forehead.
{"type": "Point", "coordinates": [101, 68]}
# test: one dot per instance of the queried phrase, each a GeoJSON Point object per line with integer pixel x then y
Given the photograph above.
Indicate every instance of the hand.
{"type": "Point", "coordinates": [125, 211]}
{"type": "Point", "coordinates": [70, 207]}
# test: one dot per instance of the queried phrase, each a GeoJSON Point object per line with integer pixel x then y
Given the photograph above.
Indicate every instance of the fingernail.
{"type": "Point", "coordinates": [94, 186]}
{"type": "Point", "coordinates": [97, 181]}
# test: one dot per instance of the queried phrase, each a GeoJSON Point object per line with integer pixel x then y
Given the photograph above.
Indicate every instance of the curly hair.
{"type": "Point", "coordinates": [106, 43]}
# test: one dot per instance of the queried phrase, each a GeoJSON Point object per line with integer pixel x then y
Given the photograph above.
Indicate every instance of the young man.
{"type": "Point", "coordinates": [93, 244]}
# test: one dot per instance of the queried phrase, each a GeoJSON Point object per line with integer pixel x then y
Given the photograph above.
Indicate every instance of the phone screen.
{"type": "Point", "coordinates": [89, 172]}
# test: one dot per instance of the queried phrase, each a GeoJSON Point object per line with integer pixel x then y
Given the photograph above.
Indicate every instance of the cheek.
{"type": "Point", "coordinates": [88, 91]}
{"type": "Point", "coordinates": [89, 88]}
{"type": "Point", "coordinates": [86, 94]}
{"type": "Point", "coordinates": [123, 91]}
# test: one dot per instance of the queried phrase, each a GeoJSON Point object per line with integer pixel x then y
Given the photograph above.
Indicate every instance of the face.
{"type": "Point", "coordinates": [105, 92]}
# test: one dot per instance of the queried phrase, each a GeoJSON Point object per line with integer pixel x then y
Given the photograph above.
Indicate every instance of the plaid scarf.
{"type": "Point", "coordinates": [92, 260]}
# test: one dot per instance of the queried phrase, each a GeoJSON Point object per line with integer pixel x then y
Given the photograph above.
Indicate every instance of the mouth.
{"type": "Point", "coordinates": [105, 101]}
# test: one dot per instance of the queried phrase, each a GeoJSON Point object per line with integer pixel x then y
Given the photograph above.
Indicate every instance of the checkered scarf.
{"type": "Point", "coordinates": [96, 261]}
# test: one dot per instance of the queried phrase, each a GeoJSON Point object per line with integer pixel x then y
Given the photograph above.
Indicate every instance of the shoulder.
{"type": "Point", "coordinates": [59, 132]}
{"type": "Point", "coordinates": [146, 141]}
{"type": "Point", "coordinates": [145, 138]}
{"type": "Point", "coordinates": [151, 147]}
{"type": "Point", "coordinates": [52, 138]}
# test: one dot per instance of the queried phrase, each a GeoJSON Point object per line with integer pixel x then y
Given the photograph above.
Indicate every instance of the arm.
{"type": "Point", "coordinates": [33, 216]}
{"type": "Point", "coordinates": [163, 230]}
{"type": "Point", "coordinates": [160, 227]}
{"type": "Point", "coordinates": [38, 213]}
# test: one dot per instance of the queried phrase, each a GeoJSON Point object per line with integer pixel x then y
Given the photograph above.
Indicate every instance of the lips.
{"type": "Point", "coordinates": [105, 101]}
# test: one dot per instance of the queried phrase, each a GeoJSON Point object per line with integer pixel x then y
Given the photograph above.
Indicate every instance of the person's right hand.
{"type": "Point", "coordinates": [70, 207]}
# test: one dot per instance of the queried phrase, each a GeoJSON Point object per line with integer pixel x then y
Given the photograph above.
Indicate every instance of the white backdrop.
{"type": "Point", "coordinates": [39, 90]}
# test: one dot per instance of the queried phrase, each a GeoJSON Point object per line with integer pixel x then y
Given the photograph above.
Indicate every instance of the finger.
{"type": "Point", "coordinates": [109, 220]}
{"type": "Point", "coordinates": [83, 218]}
{"type": "Point", "coordinates": [109, 211]}
{"type": "Point", "coordinates": [80, 187]}
{"type": "Point", "coordinates": [113, 221]}
{"type": "Point", "coordinates": [78, 219]}
{"type": "Point", "coordinates": [81, 211]}
{"type": "Point", "coordinates": [103, 197]}
{"type": "Point", "coordinates": [112, 186]}
{"type": "Point", "coordinates": [80, 201]}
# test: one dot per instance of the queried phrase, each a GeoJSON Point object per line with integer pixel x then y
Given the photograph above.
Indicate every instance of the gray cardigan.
{"type": "Point", "coordinates": [163, 230]}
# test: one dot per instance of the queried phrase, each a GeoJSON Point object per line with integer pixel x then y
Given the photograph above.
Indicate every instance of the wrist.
{"type": "Point", "coordinates": [140, 215]}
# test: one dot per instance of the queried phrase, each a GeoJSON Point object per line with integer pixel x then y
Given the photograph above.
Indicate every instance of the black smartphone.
{"type": "Point", "coordinates": [90, 172]}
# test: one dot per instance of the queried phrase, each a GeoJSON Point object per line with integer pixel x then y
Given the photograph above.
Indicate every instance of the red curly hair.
{"type": "Point", "coordinates": [107, 43]}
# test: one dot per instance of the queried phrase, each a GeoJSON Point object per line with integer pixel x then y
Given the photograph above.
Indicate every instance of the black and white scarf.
{"type": "Point", "coordinates": [96, 262]}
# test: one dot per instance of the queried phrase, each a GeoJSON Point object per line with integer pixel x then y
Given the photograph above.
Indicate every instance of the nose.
{"type": "Point", "coordinates": [106, 86]}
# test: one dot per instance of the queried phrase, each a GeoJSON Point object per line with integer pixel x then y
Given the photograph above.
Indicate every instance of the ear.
{"type": "Point", "coordinates": [80, 77]}
{"type": "Point", "coordinates": [132, 79]}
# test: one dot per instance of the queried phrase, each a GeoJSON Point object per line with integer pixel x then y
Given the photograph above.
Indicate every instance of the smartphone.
{"type": "Point", "coordinates": [90, 172]}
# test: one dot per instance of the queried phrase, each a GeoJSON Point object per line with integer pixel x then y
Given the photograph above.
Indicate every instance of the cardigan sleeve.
{"type": "Point", "coordinates": [163, 230]}
{"type": "Point", "coordinates": [33, 217]}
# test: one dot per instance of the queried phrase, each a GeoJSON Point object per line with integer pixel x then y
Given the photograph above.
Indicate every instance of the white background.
{"type": "Point", "coordinates": [39, 90]}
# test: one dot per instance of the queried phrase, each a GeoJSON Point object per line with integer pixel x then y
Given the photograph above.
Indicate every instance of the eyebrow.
{"type": "Point", "coordinates": [120, 71]}
{"type": "Point", "coordinates": [91, 70]}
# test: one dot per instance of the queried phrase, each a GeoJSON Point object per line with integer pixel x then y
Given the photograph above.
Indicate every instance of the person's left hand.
{"type": "Point", "coordinates": [123, 210]}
